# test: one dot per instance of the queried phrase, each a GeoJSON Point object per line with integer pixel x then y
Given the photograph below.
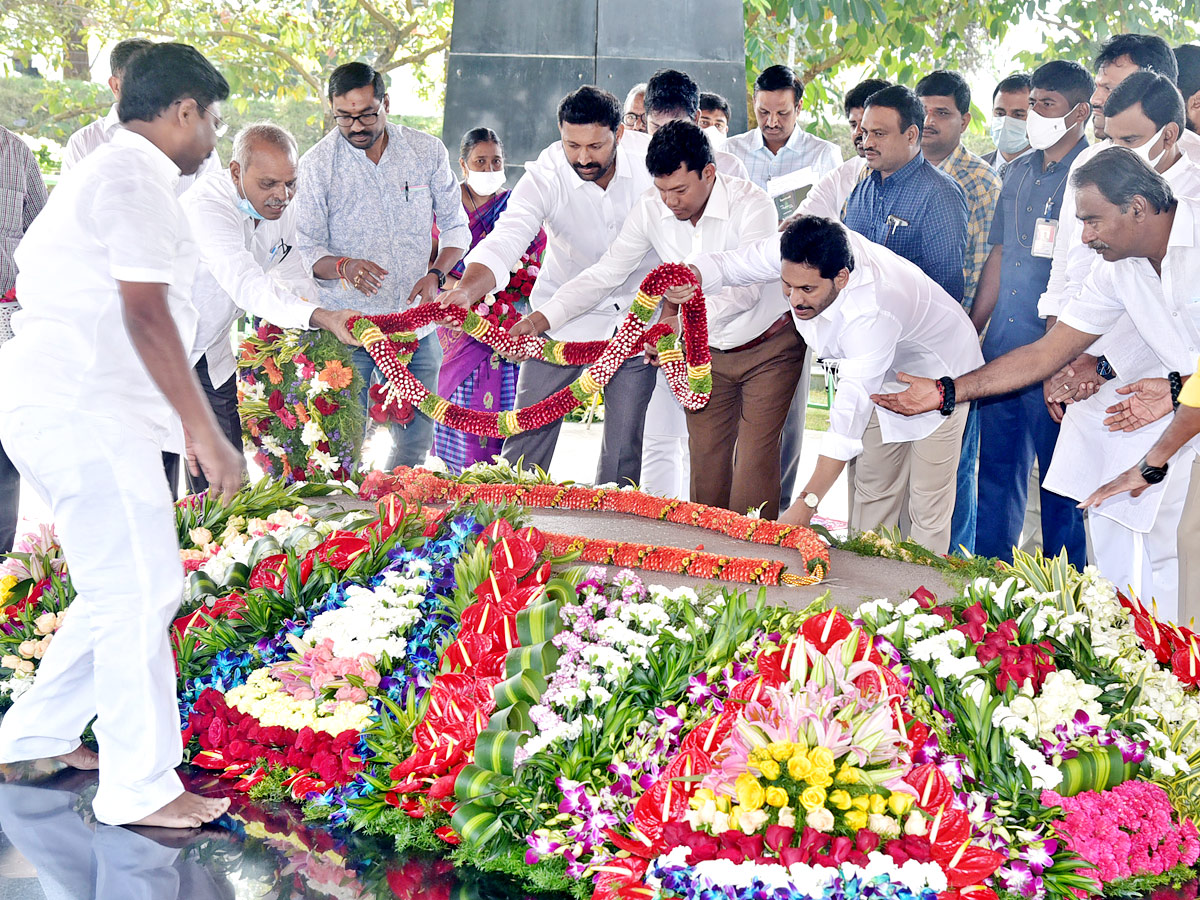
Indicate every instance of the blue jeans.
{"type": "Point", "coordinates": [1014, 429]}
{"type": "Point", "coordinates": [411, 442]}
{"type": "Point", "coordinates": [966, 502]}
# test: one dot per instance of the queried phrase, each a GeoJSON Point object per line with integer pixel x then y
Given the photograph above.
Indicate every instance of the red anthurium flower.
{"type": "Point", "coordinates": [521, 598]}
{"type": "Point", "coordinates": [685, 766]}
{"type": "Point", "coordinates": [449, 835]}
{"type": "Point", "coordinates": [1185, 663]}
{"type": "Point", "coordinates": [968, 865]}
{"type": "Point", "coordinates": [974, 892]}
{"type": "Point", "coordinates": [210, 759]}
{"type": "Point", "coordinates": [497, 531]}
{"type": "Point", "coordinates": [269, 572]}
{"type": "Point", "coordinates": [616, 875]}
{"type": "Point", "coordinates": [1154, 637]}
{"type": "Point", "coordinates": [710, 733]}
{"type": "Point", "coordinates": [540, 574]}
{"type": "Point", "coordinates": [513, 555]}
{"type": "Point", "coordinates": [535, 538]}
{"type": "Point", "coordinates": [496, 586]}
{"type": "Point", "coordinates": [949, 830]}
{"type": "Point", "coordinates": [749, 691]}
{"type": "Point", "coordinates": [666, 801]}
{"type": "Point", "coordinates": [931, 786]}
{"type": "Point", "coordinates": [826, 629]}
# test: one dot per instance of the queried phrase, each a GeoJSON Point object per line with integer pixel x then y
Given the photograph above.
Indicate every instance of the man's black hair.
{"type": "Point", "coordinates": [1160, 99]}
{"type": "Point", "coordinates": [1011, 84]}
{"type": "Point", "coordinates": [944, 83]}
{"type": "Point", "coordinates": [1120, 175]}
{"type": "Point", "coordinates": [1187, 58]}
{"type": "Point", "coordinates": [857, 96]}
{"type": "Point", "coordinates": [710, 102]}
{"type": "Point", "coordinates": [159, 75]}
{"type": "Point", "coordinates": [817, 242]}
{"type": "Point", "coordinates": [670, 91]}
{"type": "Point", "coordinates": [354, 75]}
{"type": "Point", "coordinates": [904, 101]}
{"type": "Point", "coordinates": [1146, 51]}
{"type": "Point", "coordinates": [119, 58]}
{"type": "Point", "coordinates": [1065, 77]}
{"type": "Point", "coordinates": [590, 105]}
{"type": "Point", "coordinates": [678, 143]}
{"type": "Point", "coordinates": [778, 78]}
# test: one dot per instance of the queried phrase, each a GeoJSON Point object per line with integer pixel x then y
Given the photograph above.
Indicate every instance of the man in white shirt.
{"type": "Point", "coordinates": [1148, 240]}
{"type": "Point", "coordinates": [671, 96]}
{"type": "Point", "coordinates": [100, 132]}
{"type": "Point", "coordinates": [1133, 540]}
{"type": "Point", "coordinates": [875, 314]}
{"type": "Point", "coordinates": [757, 355]}
{"type": "Point", "coordinates": [828, 196]}
{"type": "Point", "coordinates": [245, 229]}
{"type": "Point", "coordinates": [580, 189]}
{"type": "Point", "coordinates": [96, 379]}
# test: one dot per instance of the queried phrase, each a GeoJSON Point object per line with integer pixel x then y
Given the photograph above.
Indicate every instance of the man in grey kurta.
{"type": "Point", "coordinates": [367, 199]}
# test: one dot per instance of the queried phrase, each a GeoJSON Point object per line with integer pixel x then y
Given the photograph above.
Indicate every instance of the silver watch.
{"type": "Point", "coordinates": [811, 500]}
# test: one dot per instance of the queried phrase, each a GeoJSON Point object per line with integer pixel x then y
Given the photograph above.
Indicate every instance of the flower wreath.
{"type": "Point", "coordinates": [391, 340]}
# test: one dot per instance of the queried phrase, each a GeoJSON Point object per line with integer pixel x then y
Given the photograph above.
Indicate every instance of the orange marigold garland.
{"type": "Point", "coordinates": [423, 486]}
{"type": "Point", "coordinates": [391, 340]}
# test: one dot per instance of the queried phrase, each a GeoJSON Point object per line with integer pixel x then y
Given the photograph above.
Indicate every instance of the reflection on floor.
{"type": "Point", "coordinates": [51, 847]}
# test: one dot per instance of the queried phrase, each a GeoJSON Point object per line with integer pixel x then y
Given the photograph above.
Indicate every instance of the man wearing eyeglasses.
{"type": "Point", "coordinates": [368, 193]}
{"type": "Point", "coordinates": [634, 118]}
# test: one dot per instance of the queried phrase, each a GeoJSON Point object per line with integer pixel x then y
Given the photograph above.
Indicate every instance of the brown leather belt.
{"type": "Point", "coordinates": [777, 326]}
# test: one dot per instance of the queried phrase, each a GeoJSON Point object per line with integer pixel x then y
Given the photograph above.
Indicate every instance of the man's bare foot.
{"type": "Point", "coordinates": [188, 810]}
{"type": "Point", "coordinates": [82, 757]}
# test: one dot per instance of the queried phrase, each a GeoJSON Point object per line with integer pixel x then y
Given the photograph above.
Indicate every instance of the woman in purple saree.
{"type": "Point", "coordinates": [472, 375]}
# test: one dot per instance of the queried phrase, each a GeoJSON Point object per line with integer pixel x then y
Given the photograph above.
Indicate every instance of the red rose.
{"type": "Point", "coordinates": [325, 407]}
{"type": "Point", "coordinates": [216, 736]}
{"type": "Point", "coordinates": [275, 401]}
{"type": "Point", "coordinates": [306, 740]}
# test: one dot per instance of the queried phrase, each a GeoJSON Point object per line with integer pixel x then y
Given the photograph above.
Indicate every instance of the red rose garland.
{"type": "Point", "coordinates": [391, 340]}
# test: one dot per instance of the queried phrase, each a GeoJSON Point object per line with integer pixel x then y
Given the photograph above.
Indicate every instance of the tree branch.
{"type": "Point", "coordinates": [293, 63]}
{"type": "Point", "coordinates": [414, 58]}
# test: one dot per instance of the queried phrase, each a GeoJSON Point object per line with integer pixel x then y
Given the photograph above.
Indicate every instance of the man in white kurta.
{"type": "Point", "coordinates": [875, 314]}
{"type": "Point", "coordinates": [96, 379]}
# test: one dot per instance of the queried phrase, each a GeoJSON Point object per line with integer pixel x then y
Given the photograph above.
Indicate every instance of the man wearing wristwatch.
{"type": "Point", "coordinates": [367, 198]}
{"type": "Point", "coordinates": [1149, 241]}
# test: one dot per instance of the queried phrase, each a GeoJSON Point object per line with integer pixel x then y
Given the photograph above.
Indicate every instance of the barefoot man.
{"type": "Point", "coordinates": [94, 380]}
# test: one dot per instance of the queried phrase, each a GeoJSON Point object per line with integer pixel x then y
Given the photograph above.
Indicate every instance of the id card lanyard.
{"type": "Point", "coordinates": [1045, 230]}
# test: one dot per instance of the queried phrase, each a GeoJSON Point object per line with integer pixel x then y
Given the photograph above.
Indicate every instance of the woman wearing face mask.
{"type": "Point", "coordinates": [472, 375]}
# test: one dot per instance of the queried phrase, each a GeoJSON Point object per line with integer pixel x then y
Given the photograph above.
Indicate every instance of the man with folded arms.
{"type": "Point", "coordinates": [757, 356]}
{"type": "Point", "coordinates": [875, 314]}
{"type": "Point", "coordinates": [1148, 240]}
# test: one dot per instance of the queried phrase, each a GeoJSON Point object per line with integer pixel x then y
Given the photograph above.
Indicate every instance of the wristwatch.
{"type": "Point", "coordinates": [1104, 368]}
{"type": "Point", "coordinates": [1152, 474]}
{"type": "Point", "coordinates": [811, 500]}
{"type": "Point", "coordinates": [441, 277]}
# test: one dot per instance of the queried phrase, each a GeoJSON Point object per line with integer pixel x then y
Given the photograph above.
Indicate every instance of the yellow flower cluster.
{"type": "Point", "coordinates": [7, 583]}
{"type": "Point", "coordinates": [262, 698]}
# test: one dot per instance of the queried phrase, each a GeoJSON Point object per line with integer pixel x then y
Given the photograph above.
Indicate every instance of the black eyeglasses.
{"type": "Point", "coordinates": [220, 126]}
{"type": "Point", "coordinates": [367, 118]}
{"type": "Point", "coordinates": [633, 120]}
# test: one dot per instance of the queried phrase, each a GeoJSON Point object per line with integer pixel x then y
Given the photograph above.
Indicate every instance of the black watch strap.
{"type": "Point", "coordinates": [948, 398]}
{"type": "Point", "coordinates": [1152, 474]}
{"type": "Point", "coordinates": [441, 276]}
{"type": "Point", "coordinates": [1176, 382]}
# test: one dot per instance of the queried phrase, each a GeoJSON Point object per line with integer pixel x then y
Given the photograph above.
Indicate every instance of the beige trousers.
{"type": "Point", "coordinates": [922, 471]}
{"type": "Point", "coordinates": [1188, 539]}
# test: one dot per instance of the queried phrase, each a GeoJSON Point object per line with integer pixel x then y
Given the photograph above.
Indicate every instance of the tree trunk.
{"type": "Point", "coordinates": [76, 64]}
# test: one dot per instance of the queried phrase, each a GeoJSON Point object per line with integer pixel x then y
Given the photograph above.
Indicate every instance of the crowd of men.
{"type": "Point", "coordinates": [1031, 312]}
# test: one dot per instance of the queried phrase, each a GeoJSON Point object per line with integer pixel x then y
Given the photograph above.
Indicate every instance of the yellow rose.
{"type": "Point", "coordinates": [770, 769]}
{"type": "Point", "coordinates": [847, 774]}
{"type": "Point", "coordinates": [861, 803]}
{"type": "Point", "coordinates": [734, 815]}
{"type": "Point", "coordinates": [821, 758]}
{"type": "Point", "coordinates": [776, 796]}
{"type": "Point", "coordinates": [750, 793]}
{"type": "Point", "coordinates": [820, 779]}
{"type": "Point", "coordinates": [900, 803]}
{"type": "Point", "coordinates": [840, 799]}
{"type": "Point", "coordinates": [722, 803]}
{"type": "Point", "coordinates": [878, 805]}
{"type": "Point", "coordinates": [758, 754]}
{"type": "Point", "coordinates": [856, 819]}
{"type": "Point", "coordinates": [813, 798]}
{"type": "Point", "coordinates": [799, 767]}
{"type": "Point", "coordinates": [701, 797]}
{"type": "Point", "coordinates": [780, 751]}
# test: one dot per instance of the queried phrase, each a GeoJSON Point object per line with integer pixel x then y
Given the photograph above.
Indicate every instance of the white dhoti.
{"type": "Point", "coordinates": [102, 479]}
{"type": "Point", "coordinates": [666, 462]}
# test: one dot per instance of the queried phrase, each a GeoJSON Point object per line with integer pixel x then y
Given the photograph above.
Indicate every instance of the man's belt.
{"type": "Point", "coordinates": [777, 326]}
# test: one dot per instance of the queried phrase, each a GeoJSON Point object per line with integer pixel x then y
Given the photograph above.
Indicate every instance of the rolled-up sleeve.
{"type": "Point", "coordinates": [453, 228]}
{"type": "Point", "coordinates": [312, 212]}
{"type": "Point", "coordinates": [518, 225]}
{"type": "Point", "coordinates": [135, 218]}
{"type": "Point", "coordinates": [753, 263]}
{"type": "Point", "coordinates": [868, 344]}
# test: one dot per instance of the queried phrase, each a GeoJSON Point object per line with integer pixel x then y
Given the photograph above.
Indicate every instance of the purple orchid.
{"type": "Point", "coordinates": [539, 845]}
{"type": "Point", "coordinates": [575, 799]}
{"type": "Point", "coordinates": [698, 690]}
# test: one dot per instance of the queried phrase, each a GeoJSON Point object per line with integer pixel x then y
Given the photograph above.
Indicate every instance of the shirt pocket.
{"type": "Point", "coordinates": [12, 212]}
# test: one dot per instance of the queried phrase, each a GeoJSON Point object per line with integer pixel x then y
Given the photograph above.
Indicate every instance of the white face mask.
{"type": "Point", "coordinates": [485, 183]}
{"type": "Point", "coordinates": [1008, 134]}
{"type": "Point", "coordinates": [1043, 132]}
{"type": "Point", "coordinates": [1144, 150]}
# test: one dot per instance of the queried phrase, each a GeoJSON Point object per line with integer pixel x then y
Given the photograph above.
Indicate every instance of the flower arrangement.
{"type": "Point", "coordinates": [391, 340]}
{"type": "Point", "coordinates": [515, 296]}
{"type": "Point", "coordinates": [298, 397]}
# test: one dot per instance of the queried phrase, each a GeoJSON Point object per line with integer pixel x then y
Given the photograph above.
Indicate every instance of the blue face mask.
{"type": "Point", "coordinates": [246, 207]}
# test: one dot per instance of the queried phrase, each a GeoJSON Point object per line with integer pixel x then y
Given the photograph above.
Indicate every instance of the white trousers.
{"type": "Point", "coordinates": [1146, 563]}
{"type": "Point", "coordinates": [112, 659]}
{"type": "Point", "coordinates": [666, 462]}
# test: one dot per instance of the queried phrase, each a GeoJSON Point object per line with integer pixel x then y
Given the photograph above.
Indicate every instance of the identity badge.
{"type": "Point", "coordinates": [1044, 233]}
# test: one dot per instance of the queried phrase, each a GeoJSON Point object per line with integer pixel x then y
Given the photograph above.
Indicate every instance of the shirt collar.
{"type": "Point", "coordinates": [958, 158]}
{"type": "Point", "coordinates": [717, 206]}
{"type": "Point", "coordinates": [111, 120]}
{"type": "Point", "coordinates": [1037, 158]}
{"type": "Point", "coordinates": [163, 164]}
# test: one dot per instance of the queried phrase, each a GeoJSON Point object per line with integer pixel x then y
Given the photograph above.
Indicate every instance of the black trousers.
{"type": "Point", "coordinates": [10, 498]}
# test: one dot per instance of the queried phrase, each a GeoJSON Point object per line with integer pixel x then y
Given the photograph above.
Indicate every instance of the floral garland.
{"type": "Point", "coordinates": [298, 400]}
{"type": "Point", "coordinates": [391, 340]}
{"type": "Point", "coordinates": [422, 486]}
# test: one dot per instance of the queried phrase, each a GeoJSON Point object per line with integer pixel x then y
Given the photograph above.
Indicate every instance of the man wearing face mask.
{"type": "Point", "coordinates": [245, 229]}
{"type": "Point", "coordinates": [581, 189]}
{"type": "Point", "coordinates": [1010, 109]}
{"type": "Point", "coordinates": [1014, 428]}
{"type": "Point", "coordinates": [1134, 541]}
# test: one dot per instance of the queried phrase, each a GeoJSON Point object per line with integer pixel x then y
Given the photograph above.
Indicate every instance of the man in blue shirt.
{"type": "Point", "coordinates": [1014, 427]}
{"type": "Point", "coordinates": [906, 204]}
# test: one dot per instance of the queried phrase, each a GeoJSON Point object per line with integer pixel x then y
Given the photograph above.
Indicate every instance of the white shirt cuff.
{"type": "Point", "coordinates": [838, 446]}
